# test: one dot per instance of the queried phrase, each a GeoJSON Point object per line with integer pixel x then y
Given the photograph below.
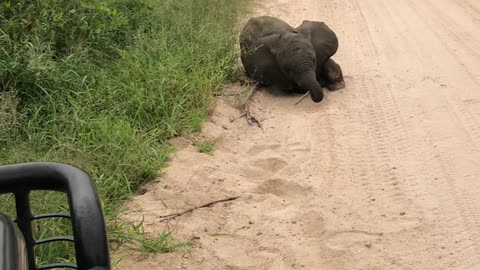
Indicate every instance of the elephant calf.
{"type": "Point", "coordinates": [293, 59]}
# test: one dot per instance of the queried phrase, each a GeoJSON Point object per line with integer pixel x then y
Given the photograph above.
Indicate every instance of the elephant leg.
{"type": "Point", "coordinates": [321, 79]}
{"type": "Point", "coordinates": [333, 75]}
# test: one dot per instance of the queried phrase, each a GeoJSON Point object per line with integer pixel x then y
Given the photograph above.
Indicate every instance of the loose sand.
{"type": "Point", "coordinates": [384, 174]}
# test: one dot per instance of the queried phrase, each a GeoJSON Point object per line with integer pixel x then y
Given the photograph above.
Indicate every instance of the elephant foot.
{"type": "Point", "coordinates": [336, 86]}
{"type": "Point", "coordinates": [333, 75]}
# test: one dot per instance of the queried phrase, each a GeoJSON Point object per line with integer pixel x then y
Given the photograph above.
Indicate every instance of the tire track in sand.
{"type": "Point", "coordinates": [381, 175]}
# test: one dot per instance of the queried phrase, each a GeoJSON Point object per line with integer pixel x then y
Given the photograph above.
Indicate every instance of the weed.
{"type": "Point", "coordinates": [206, 146]}
{"type": "Point", "coordinates": [134, 237]}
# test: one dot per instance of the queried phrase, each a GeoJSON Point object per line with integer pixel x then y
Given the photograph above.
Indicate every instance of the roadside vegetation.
{"type": "Point", "coordinates": [206, 146]}
{"type": "Point", "coordinates": [102, 84]}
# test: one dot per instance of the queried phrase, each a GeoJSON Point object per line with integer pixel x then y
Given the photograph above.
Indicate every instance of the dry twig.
{"type": "Point", "coordinates": [250, 119]}
{"type": "Point", "coordinates": [175, 215]}
{"type": "Point", "coordinates": [302, 97]}
{"type": "Point", "coordinates": [224, 94]}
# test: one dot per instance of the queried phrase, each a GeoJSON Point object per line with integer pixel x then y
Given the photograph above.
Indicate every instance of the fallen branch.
{"type": "Point", "coordinates": [175, 215]}
{"type": "Point", "coordinates": [250, 119]}
{"type": "Point", "coordinates": [252, 92]}
{"type": "Point", "coordinates": [224, 94]}
{"type": "Point", "coordinates": [302, 97]}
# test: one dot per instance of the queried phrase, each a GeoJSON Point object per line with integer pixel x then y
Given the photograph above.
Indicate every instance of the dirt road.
{"type": "Point", "coordinates": [384, 174]}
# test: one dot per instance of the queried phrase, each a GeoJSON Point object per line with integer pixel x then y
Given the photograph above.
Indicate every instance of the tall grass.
{"type": "Point", "coordinates": [103, 84]}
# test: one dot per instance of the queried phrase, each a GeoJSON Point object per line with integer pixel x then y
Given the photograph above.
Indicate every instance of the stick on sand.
{"type": "Point", "coordinates": [302, 97]}
{"type": "Point", "coordinates": [172, 216]}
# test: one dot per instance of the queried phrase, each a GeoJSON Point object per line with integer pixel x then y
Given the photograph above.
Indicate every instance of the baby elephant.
{"type": "Point", "coordinates": [297, 60]}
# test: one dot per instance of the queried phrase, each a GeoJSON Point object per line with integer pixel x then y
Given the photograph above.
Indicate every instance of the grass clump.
{"type": "Point", "coordinates": [133, 235]}
{"type": "Point", "coordinates": [206, 146]}
{"type": "Point", "coordinates": [102, 84]}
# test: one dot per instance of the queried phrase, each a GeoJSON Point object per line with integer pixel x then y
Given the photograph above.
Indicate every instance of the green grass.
{"type": "Point", "coordinates": [134, 238]}
{"type": "Point", "coordinates": [206, 146]}
{"type": "Point", "coordinates": [103, 85]}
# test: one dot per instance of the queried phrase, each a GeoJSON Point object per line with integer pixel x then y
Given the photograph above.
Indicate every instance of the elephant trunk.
{"type": "Point", "coordinates": [309, 81]}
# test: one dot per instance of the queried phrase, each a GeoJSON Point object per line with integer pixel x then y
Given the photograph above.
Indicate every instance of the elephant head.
{"type": "Point", "coordinates": [325, 42]}
{"type": "Point", "coordinates": [295, 55]}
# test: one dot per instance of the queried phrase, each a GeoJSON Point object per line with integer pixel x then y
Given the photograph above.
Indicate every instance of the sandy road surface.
{"type": "Point", "coordinates": [384, 174]}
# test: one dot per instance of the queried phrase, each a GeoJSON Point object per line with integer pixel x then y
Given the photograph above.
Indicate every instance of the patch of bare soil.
{"type": "Point", "coordinates": [384, 174]}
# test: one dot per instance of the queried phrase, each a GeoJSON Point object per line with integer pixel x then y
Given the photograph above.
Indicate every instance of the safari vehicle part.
{"type": "Point", "coordinates": [89, 234]}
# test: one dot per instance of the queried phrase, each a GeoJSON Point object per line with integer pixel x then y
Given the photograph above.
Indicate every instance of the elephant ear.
{"type": "Point", "coordinates": [305, 30]}
{"type": "Point", "coordinates": [272, 42]}
{"type": "Point", "coordinates": [323, 39]}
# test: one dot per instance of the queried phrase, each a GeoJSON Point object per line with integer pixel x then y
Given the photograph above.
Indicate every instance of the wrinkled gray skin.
{"type": "Point", "coordinates": [325, 43]}
{"type": "Point", "coordinates": [298, 60]}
